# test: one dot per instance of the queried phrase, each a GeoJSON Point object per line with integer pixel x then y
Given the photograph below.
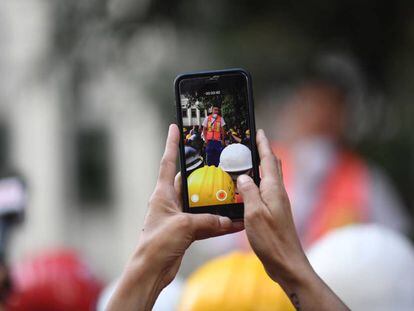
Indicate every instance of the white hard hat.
{"type": "Point", "coordinates": [235, 158]}
{"type": "Point", "coordinates": [369, 267]}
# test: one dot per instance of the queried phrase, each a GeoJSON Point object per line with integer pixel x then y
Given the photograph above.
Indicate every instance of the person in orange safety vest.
{"type": "Point", "coordinates": [329, 185]}
{"type": "Point", "coordinates": [213, 133]}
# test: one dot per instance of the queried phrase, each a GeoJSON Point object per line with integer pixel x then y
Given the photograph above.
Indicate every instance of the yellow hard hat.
{"type": "Point", "coordinates": [236, 281]}
{"type": "Point", "coordinates": [210, 185]}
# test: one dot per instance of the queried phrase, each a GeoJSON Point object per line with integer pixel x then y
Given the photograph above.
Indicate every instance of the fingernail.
{"type": "Point", "coordinates": [170, 128]}
{"type": "Point", "coordinates": [243, 179]}
{"type": "Point", "coordinates": [224, 221]}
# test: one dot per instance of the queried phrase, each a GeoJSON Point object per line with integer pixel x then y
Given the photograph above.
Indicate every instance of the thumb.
{"type": "Point", "coordinates": [209, 225]}
{"type": "Point", "coordinates": [249, 191]}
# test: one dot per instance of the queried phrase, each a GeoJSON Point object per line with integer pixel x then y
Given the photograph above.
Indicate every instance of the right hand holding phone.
{"type": "Point", "coordinates": [268, 217]}
{"type": "Point", "coordinates": [272, 235]}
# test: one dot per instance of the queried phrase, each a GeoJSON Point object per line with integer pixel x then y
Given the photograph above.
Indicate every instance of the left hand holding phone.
{"type": "Point", "coordinates": [166, 235]}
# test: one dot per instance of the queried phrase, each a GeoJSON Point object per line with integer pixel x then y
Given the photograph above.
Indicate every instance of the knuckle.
{"type": "Point", "coordinates": [268, 193]}
{"type": "Point", "coordinates": [269, 182]}
{"type": "Point", "coordinates": [211, 221]}
{"type": "Point", "coordinates": [156, 195]}
{"type": "Point", "coordinates": [164, 162]}
{"type": "Point", "coordinates": [253, 214]}
{"type": "Point", "coordinates": [153, 199]}
{"type": "Point", "coordinates": [270, 157]}
{"type": "Point", "coordinates": [282, 197]}
{"type": "Point", "coordinates": [183, 222]}
{"type": "Point", "coordinates": [246, 186]}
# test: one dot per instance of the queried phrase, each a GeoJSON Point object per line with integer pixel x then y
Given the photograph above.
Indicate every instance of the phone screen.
{"type": "Point", "coordinates": [216, 126]}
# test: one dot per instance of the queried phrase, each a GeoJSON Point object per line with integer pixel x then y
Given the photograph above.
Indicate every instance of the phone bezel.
{"type": "Point", "coordinates": [234, 211]}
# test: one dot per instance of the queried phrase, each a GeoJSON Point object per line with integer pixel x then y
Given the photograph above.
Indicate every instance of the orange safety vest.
{"type": "Point", "coordinates": [213, 128]}
{"type": "Point", "coordinates": [343, 198]}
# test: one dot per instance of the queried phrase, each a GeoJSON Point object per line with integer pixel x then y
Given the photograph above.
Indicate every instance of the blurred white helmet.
{"type": "Point", "coordinates": [369, 267]}
{"type": "Point", "coordinates": [236, 158]}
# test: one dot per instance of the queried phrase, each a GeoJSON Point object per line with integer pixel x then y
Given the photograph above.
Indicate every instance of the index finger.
{"type": "Point", "coordinates": [169, 158]}
{"type": "Point", "coordinates": [270, 168]}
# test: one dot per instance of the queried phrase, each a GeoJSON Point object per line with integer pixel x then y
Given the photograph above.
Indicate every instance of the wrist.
{"type": "Point", "coordinates": [139, 268]}
{"type": "Point", "coordinates": [302, 277]}
{"type": "Point", "coordinates": [297, 280]}
{"type": "Point", "coordinates": [306, 288]}
{"type": "Point", "coordinates": [294, 273]}
{"type": "Point", "coordinates": [139, 285]}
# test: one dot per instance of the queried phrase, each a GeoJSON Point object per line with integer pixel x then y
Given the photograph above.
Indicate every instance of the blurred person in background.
{"type": "Point", "coordinates": [330, 184]}
{"type": "Point", "coordinates": [246, 139]}
{"type": "Point", "coordinates": [233, 135]}
{"type": "Point", "coordinates": [196, 141]}
{"type": "Point", "coordinates": [195, 129]}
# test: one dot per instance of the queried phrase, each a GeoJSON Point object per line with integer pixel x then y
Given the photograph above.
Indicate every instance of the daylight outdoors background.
{"type": "Point", "coordinates": [86, 97]}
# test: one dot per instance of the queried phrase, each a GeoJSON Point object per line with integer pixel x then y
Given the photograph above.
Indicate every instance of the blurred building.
{"type": "Point", "coordinates": [87, 159]}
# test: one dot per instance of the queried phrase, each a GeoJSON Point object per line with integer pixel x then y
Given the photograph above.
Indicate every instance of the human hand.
{"type": "Point", "coordinates": [268, 217]}
{"type": "Point", "coordinates": [166, 235]}
{"type": "Point", "coordinates": [167, 229]}
{"type": "Point", "coordinates": [272, 235]}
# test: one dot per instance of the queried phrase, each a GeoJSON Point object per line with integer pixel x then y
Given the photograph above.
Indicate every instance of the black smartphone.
{"type": "Point", "coordinates": [215, 115]}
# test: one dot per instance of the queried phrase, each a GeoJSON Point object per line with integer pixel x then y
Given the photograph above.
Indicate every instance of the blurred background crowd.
{"type": "Point", "coordinates": [86, 97]}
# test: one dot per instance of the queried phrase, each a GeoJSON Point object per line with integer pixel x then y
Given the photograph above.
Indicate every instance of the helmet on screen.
{"type": "Point", "coordinates": [236, 158]}
{"type": "Point", "coordinates": [57, 280]}
{"type": "Point", "coordinates": [236, 281]}
{"type": "Point", "coordinates": [196, 141]}
{"type": "Point", "coordinates": [210, 185]}
{"type": "Point", "coordinates": [193, 159]}
{"type": "Point", "coordinates": [369, 267]}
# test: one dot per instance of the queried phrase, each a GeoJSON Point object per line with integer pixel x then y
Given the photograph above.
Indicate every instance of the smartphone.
{"type": "Point", "coordinates": [215, 115]}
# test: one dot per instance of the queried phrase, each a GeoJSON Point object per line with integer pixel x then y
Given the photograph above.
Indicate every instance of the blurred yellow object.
{"type": "Point", "coordinates": [210, 185]}
{"type": "Point", "coordinates": [247, 132]}
{"type": "Point", "coordinates": [236, 281]}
